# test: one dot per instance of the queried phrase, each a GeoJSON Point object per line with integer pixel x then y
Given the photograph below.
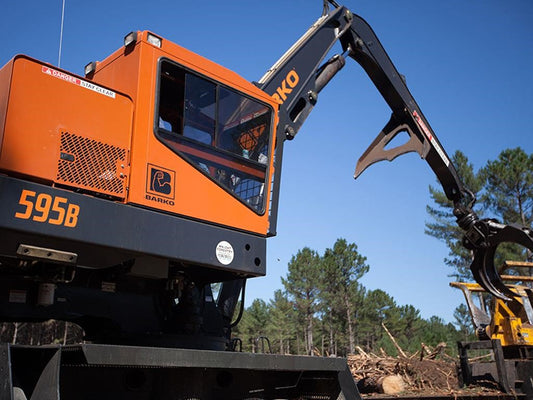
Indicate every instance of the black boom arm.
{"type": "Point", "coordinates": [299, 76]}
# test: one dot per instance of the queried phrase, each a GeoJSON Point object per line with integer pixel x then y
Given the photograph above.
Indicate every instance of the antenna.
{"type": "Point", "coordinates": [61, 34]}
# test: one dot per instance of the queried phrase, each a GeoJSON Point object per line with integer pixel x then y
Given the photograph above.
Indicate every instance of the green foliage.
{"type": "Point", "coordinates": [444, 226]}
{"type": "Point", "coordinates": [253, 325]}
{"type": "Point", "coordinates": [376, 309]}
{"type": "Point", "coordinates": [509, 186]}
{"type": "Point", "coordinates": [509, 195]}
{"type": "Point", "coordinates": [281, 328]}
{"type": "Point", "coordinates": [302, 289]}
{"type": "Point", "coordinates": [463, 321]}
{"type": "Point", "coordinates": [340, 269]}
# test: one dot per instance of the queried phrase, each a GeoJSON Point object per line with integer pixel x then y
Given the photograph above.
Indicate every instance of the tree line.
{"type": "Point", "coordinates": [325, 310]}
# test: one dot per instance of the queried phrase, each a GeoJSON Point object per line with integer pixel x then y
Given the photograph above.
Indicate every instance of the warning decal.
{"type": "Point", "coordinates": [224, 252]}
{"type": "Point", "coordinates": [77, 81]}
{"type": "Point", "coordinates": [431, 138]}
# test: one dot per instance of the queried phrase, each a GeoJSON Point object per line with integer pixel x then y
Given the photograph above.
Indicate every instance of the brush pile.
{"type": "Point", "coordinates": [428, 372]}
{"type": "Point", "coordinates": [403, 374]}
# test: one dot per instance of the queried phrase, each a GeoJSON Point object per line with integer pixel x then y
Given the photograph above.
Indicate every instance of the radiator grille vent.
{"type": "Point", "coordinates": [92, 165]}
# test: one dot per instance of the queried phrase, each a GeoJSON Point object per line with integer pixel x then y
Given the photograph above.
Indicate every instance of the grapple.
{"type": "Point", "coordinates": [483, 237]}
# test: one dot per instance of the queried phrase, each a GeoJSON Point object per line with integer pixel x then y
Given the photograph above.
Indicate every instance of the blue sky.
{"type": "Point", "coordinates": [467, 63]}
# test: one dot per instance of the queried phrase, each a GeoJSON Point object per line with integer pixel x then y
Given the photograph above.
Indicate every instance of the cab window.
{"type": "Point", "coordinates": [220, 131]}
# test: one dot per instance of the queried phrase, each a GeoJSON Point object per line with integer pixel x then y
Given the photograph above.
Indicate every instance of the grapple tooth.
{"type": "Point", "coordinates": [486, 275]}
{"type": "Point", "coordinates": [483, 267]}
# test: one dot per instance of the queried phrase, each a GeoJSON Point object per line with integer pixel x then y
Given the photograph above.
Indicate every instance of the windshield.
{"type": "Point", "coordinates": [222, 132]}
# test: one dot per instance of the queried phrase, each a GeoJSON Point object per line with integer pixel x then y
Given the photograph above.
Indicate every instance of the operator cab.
{"type": "Point", "coordinates": [221, 132]}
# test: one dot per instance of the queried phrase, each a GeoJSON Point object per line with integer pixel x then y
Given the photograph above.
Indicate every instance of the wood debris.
{"type": "Point", "coordinates": [421, 372]}
{"type": "Point", "coordinates": [418, 375]}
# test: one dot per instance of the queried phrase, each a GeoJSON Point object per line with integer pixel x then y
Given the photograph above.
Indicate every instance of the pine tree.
{"type": "Point", "coordinates": [253, 325]}
{"type": "Point", "coordinates": [444, 226]}
{"type": "Point", "coordinates": [341, 268]}
{"type": "Point", "coordinates": [376, 309]}
{"type": "Point", "coordinates": [301, 285]}
{"type": "Point", "coordinates": [463, 321]}
{"type": "Point", "coordinates": [509, 194]}
{"type": "Point", "coordinates": [509, 182]}
{"type": "Point", "coordinates": [282, 323]}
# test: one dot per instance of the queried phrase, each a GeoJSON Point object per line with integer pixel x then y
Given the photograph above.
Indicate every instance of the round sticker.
{"type": "Point", "coordinates": [224, 252]}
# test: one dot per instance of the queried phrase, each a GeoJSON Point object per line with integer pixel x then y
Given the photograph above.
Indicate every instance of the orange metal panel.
{"type": "Point", "coordinates": [62, 129]}
{"type": "Point", "coordinates": [5, 78]}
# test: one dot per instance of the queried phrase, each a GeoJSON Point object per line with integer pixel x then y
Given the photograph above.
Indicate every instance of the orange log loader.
{"type": "Point", "coordinates": [127, 193]}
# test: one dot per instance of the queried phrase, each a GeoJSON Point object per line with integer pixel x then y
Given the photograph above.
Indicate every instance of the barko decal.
{"type": "Point", "coordinates": [160, 185]}
{"type": "Point", "coordinates": [289, 83]}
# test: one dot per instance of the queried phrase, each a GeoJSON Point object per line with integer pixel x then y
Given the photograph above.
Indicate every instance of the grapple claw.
{"type": "Point", "coordinates": [483, 267]}
{"type": "Point", "coordinates": [487, 276]}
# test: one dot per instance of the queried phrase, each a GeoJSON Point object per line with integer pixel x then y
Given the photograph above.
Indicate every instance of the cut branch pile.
{"type": "Point", "coordinates": [405, 373]}
{"type": "Point", "coordinates": [417, 373]}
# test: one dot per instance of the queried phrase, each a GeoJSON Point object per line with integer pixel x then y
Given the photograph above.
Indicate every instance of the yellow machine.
{"type": "Point", "coordinates": [503, 326]}
{"type": "Point", "coordinates": [508, 321]}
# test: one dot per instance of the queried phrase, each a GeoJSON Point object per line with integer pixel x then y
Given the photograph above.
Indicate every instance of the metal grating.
{"type": "Point", "coordinates": [91, 165]}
